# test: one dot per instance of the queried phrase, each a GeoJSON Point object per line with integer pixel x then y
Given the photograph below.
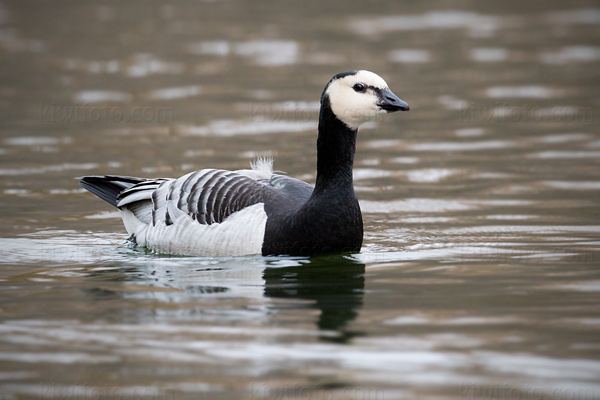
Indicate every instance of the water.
{"type": "Point", "coordinates": [479, 273]}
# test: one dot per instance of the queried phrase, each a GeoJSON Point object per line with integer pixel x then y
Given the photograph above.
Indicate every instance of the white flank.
{"type": "Point", "coordinates": [240, 234]}
{"type": "Point", "coordinates": [355, 108]}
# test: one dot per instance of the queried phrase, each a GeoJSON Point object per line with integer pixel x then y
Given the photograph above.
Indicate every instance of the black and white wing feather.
{"type": "Point", "coordinates": [208, 212]}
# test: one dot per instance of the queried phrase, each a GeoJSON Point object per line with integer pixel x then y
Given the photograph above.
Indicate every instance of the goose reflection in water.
{"type": "Point", "coordinates": [335, 284]}
{"type": "Point", "coordinates": [183, 289]}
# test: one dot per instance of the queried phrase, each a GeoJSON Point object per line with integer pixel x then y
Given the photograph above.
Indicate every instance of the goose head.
{"type": "Point", "coordinates": [356, 97]}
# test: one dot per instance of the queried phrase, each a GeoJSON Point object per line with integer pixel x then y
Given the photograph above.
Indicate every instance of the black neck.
{"type": "Point", "coordinates": [336, 145]}
{"type": "Point", "coordinates": [330, 221]}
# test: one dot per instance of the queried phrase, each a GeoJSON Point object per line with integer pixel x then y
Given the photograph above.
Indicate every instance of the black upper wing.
{"type": "Point", "coordinates": [210, 196]}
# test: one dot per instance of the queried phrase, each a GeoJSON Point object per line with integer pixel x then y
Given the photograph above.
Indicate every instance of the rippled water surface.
{"type": "Point", "coordinates": [479, 276]}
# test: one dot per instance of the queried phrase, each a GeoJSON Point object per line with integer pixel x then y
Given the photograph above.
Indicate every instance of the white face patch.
{"type": "Point", "coordinates": [351, 107]}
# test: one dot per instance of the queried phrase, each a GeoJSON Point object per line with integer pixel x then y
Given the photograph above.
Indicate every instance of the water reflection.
{"type": "Point", "coordinates": [262, 52]}
{"type": "Point", "coordinates": [480, 207]}
{"type": "Point", "coordinates": [188, 288]}
{"type": "Point", "coordinates": [334, 285]}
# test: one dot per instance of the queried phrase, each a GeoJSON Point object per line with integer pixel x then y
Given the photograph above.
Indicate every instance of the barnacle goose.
{"type": "Point", "coordinates": [232, 213]}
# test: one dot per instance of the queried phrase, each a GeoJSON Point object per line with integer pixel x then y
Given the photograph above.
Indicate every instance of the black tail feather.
{"type": "Point", "coordinates": [108, 187]}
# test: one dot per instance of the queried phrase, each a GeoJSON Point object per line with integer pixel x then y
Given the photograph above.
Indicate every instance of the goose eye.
{"type": "Point", "coordinates": [359, 87]}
